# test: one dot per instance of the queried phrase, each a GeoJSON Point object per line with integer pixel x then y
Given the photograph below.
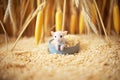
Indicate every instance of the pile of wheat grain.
{"type": "Point", "coordinates": [96, 60]}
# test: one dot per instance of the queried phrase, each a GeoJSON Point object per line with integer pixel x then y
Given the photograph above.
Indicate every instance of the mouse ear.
{"type": "Point", "coordinates": [52, 33]}
{"type": "Point", "coordinates": [65, 32]}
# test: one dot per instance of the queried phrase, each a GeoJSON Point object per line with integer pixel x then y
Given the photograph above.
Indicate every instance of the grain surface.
{"type": "Point", "coordinates": [96, 60]}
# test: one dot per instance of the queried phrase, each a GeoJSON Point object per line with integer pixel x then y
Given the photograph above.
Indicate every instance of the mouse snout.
{"type": "Point", "coordinates": [59, 40]}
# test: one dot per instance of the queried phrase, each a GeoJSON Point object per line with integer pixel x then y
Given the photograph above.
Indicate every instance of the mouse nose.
{"type": "Point", "coordinates": [59, 40]}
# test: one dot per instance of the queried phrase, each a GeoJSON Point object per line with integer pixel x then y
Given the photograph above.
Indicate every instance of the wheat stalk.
{"type": "Point", "coordinates": [28, 21]}
{"type": "Point", "coordinates": [109, 17]}
{"type": "Point", "coordinates": [10, 11]}
{"type": "Point", "coordinates": [87, 18]}
{"type": "Point", "coordinates": [6, 15]}
{"type": "Point", "coordinates": [77, 3]}
{"type": "Point", "coordinates": [23, 11]}
{"type": "Point", "coordinates": [101, 22]}
{"type": "Point", "coordinates": [64, 9]}
{"type": "Point", "coordinates": [12, 16]}
{"type": "Point", "coordinates": [6, 36]}
{"type": "Point", "coordinates": [116, 17]}
{"type": "Point", "coordinates": [103, 8]}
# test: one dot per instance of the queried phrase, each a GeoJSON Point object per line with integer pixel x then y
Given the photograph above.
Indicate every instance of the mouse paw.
{"type": "Point", "coordinates": [62, 48]}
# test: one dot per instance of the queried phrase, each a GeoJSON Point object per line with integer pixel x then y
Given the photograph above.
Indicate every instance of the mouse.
{"type": "Point", "coordinates": [59, 40]}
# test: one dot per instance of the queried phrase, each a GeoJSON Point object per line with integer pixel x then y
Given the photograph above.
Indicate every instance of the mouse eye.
{"type": "Point", "coordinates": [60, 36]}
{"type": "Point", "coordinates": [55, 36]}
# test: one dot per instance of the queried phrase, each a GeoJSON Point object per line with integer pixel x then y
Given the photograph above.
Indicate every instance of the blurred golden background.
{"type": "Point", "coordinates": [14, 14]}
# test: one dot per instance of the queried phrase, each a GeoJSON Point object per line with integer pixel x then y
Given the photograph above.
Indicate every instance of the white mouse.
{"type": "Point", "coordinates": [59, 40]}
